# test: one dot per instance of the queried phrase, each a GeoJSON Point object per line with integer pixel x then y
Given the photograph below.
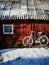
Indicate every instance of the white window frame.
{"type": "Point", "coordinates": [8, 32]}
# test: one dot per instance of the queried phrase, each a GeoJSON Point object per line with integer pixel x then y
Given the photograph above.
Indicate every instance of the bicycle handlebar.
{"type": "Point", "coordinates": [32, 31]}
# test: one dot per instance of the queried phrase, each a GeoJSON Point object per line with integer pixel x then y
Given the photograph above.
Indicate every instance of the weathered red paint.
{"type": "Point", "coordinates": [23, 29]}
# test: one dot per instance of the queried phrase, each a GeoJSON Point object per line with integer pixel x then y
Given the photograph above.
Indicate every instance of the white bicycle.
{"type": "Point", "coordinates": [42, 39]}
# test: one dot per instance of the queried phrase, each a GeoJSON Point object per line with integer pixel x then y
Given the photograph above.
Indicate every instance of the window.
{"type": "Point", "coordinates": [7, 29]}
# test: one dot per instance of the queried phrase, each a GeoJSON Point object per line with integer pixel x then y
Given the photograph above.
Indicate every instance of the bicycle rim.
{"type": "Point", "coordinates": [43, 40]}
{"type": "Point", "coordinates": [27, 41]}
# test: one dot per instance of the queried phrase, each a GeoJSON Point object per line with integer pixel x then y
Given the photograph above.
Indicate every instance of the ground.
{"type": "Point", "coordinates": [24, 56]}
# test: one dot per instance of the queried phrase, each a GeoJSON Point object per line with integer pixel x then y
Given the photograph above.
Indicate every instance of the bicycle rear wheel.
{"type": "Point", "coordinates": [27, 41]}
{"type": "Point", "coordinates": [43, 40]}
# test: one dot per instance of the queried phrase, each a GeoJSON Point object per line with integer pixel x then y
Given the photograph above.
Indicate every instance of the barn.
{"type": "Point", "coordinates": [19, 17]}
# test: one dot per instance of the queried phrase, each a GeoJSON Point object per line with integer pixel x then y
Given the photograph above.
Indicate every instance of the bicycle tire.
{"type": "Point", "coordinates": [28, 42]}
{"type": "Point", "coordinates": [43, 40]}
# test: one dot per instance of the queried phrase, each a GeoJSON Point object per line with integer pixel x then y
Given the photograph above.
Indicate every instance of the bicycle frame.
{"type": "Point", "coordinates": [42, 39]}
{"type": "Point", "coordinates": [35, 38]}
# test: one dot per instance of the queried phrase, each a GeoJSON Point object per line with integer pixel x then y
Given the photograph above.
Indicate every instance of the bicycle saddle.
{"type": "Point", "coordinates": [39, 33]}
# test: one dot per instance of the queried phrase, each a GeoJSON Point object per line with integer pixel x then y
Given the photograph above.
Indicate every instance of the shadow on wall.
{"type": "Point", "coordinates": [3, 43]}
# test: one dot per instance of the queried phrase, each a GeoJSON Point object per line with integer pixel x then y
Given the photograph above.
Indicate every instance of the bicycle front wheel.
{"type": "Point", "coordinates": [27, 41]}
{"type": "Point", "coordinates": [43, 40]}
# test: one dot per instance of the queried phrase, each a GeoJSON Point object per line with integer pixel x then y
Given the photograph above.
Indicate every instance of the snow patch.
{"type": "Point", "coordinates": [24, 54]}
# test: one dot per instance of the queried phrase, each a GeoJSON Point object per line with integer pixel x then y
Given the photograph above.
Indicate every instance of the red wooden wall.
{"type": "Point", "coordinates": [23, 29]}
